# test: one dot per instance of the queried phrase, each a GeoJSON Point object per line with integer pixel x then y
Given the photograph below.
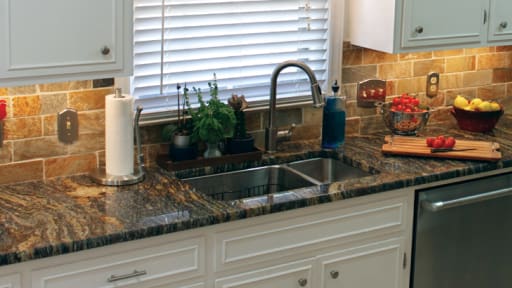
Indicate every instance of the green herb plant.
{"type": "Point", "coordinates": [213, 120]}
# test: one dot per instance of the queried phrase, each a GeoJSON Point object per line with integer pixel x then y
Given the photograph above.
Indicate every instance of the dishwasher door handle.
{"type": "Point", "coordinates": [441, 205]}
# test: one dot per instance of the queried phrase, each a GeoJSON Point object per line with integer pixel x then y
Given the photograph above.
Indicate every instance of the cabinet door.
{"type": "Point", "coordinates": [439, 22]}
{"type": "Point", "coordinates": [42, 39]}
{"type": "Point", "coordinates": [374, 265]}
{"type": "Point", "coordinates": [500, 22]}
{"type": "Point", "coordinates": [10, 281]}
{"type": "Point", "coordinates": [290, 275]}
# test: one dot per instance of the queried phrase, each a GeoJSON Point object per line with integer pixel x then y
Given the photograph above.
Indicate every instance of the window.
{"type": "Point", "coordinates": [241, 41]}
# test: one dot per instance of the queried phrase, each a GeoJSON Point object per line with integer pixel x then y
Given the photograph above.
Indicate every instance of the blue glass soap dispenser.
{"type": "Point", "coordinates": [333, 122]}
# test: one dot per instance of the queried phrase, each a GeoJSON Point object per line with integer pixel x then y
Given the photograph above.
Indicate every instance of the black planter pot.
{"type": "Point", "coordinates": [183, 153]}
{"type": "Point", "coordinates": [240, 145]}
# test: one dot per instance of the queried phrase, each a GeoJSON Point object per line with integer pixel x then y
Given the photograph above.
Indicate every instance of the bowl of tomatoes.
{"type": "Point", "coordinates": [405, 115]}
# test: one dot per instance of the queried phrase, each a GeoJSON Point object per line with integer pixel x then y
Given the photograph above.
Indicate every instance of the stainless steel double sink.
{"type": "Point", "coordinates": [274, 179]}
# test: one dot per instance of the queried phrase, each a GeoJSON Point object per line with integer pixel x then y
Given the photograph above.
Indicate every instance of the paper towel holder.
{"type": "Point", "coordinates": [101, 176]}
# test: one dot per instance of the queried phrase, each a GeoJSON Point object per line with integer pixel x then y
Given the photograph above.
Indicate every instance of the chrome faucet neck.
{"type": "Point", "coordinates": [316, 94]}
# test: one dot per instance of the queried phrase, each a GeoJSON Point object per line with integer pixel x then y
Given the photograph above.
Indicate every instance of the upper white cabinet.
{"type": "Point", "coordinates": [418, 25]}
{"type": "Point", "coordinates": [58, 40]}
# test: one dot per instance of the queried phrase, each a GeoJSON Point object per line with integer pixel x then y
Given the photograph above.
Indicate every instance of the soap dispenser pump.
{"type": "Point", "coordinates": [333, 122]}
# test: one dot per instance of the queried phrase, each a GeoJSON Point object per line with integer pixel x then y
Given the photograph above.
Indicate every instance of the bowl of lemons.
{"type": "Point", "coordinates": [476, 115]}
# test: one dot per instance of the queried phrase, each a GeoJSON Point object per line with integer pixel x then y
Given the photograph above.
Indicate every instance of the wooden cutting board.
{"type": "Point", "coordinates": [416, 146]}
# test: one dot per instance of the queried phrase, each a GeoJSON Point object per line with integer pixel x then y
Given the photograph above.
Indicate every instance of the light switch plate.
{"type": "Point", "coordinates": [67, 126]}
{"type": "Point", "coordinates": [432, 84]}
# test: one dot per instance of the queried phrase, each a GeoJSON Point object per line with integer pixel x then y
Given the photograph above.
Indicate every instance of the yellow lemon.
{"type": "Point", "coordinates": [460, 102]}
{"type": "Point", "coordinates": [485, 106]}
{"type": "Point", "coordinates": [495, 106]}
{"type": "Point", "coordinates": [475, 102]}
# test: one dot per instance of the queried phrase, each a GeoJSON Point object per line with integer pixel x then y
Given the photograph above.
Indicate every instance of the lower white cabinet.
{"type": "Point", "coordinates": [289, 275]}
{"type": "Point", "coordinates": [10, 281]}
{"type": "Point", "coordinates": [379, 264]}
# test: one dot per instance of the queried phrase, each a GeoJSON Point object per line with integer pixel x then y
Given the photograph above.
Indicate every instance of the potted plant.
{"type": "Point", "coordinates": [241, 142]}
{"type": "Point", "coordinates": [213, 121]}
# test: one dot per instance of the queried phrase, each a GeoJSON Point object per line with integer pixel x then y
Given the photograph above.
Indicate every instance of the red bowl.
{"type": "Point", "coordinates": [476, 121]}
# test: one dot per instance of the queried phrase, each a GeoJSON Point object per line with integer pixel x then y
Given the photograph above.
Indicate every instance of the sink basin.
{"type": "Point", "coordinates": [327, 170]}
{"type": "Point", "coordinates": [250, 182]}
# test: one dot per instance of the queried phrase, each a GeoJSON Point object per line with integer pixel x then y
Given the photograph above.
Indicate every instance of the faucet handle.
{"type": "Point", "coordinates": [286, 134]}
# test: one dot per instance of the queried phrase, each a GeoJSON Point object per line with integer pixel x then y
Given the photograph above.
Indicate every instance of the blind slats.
{"type": "Point", "coordinates": [241, 41]}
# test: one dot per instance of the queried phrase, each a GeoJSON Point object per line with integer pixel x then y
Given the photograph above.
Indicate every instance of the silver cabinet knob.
{"type": "Point", "coordinates": [105, 50]}
{"type": "Point", "coordinates": [303, 282]}
{"type": "Point", "coordinates": [504, 25]}
{"type": "Point", "coordinates": [334, 274]}
{"type": "Point", "coordinates": [418, 29]}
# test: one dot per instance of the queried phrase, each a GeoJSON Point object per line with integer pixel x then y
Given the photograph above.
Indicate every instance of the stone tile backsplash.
{"type": "Point", "coordinates": [31, 150]}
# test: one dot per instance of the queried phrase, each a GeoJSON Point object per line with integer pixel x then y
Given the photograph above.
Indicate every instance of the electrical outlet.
{"type": "Point", "coordinates": [432, 84]}
{"type": "Point", "coordinates": [67, 126]}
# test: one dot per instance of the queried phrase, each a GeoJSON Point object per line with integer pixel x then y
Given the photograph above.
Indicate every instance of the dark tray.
{"type": "Point", "coordinates": [165, 162]}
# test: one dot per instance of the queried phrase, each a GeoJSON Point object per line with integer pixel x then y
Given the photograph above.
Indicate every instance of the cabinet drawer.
{"type": "Point", "coordinates": [176, 261]}
{"type": "Point", "coordinates": [10, 281]}
{"type": "Point", "coordinates": [294, 274]}
{"type": "Point", "coordinates": [278, 238]}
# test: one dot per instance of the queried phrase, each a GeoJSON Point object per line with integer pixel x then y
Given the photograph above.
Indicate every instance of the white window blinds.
{"type": "Point", "coordinates": [241, 41]}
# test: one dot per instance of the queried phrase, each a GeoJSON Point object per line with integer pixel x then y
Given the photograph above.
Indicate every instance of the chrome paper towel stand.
{"type": "Point", "coordinates": [101, 176]}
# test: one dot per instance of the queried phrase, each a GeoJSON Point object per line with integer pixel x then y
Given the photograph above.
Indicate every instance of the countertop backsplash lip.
{"type": "Point", "coordinates": [68, 214]}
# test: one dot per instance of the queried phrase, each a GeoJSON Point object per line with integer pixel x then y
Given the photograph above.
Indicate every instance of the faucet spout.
{"type": "Point", "coordinates": [316, 94]}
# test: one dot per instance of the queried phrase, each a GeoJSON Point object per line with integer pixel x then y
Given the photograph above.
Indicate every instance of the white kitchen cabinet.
{"type": "Point", "coordinates": [500, 22]}
{"type": "Point", "coordinates": [378, 264]}
{"type": "Point", "coordinates": [355, 238]}
{"type": "Point", "coordinates": [10, 281]}
{"type": "Point", "coordinates": [62, 40]}
{"type": "Point", "coordinates": [395, 26]}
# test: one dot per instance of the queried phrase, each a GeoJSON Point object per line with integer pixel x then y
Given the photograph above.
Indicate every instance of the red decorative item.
{"type": "Point", "coordinates": [3, 109]}
{"type": "Point", "coordinates": [476, 121]}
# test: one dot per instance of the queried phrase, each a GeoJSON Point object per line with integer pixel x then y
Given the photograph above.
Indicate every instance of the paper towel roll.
{"type": "Point", "coordinates": [119, 135]}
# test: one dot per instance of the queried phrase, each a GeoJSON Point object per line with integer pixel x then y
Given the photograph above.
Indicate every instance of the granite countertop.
{"type": "Point", "coordinates": [64, 215]}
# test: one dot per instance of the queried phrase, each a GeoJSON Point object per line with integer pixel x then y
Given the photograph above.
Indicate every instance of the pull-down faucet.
{"type": "Point", "coordinates": [316, 93]}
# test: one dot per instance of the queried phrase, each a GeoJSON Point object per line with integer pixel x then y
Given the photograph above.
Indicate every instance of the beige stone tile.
{"type": "Point", "coordinates": [88, 143]}
{"type": "Point", "coordinates": [88, 99]}
{"type": "Point", "coordinates": [372, 124]}
{"type": "Point", "coordinates": [43, 147]}
{"type": "Point", "coordinates": [22, 90]}
{"type": "Point", "coordinates": [391, 87]}
{"type": "Point", "coordinates": [253, 121]}
{"type": "Point", "coordinates": [448, 53]}
{"type": "Point", "coordinates": [415, 56]}
{"type": "Point", "coordinates": [91, 121]}
{"type": "Point", "coordinates": [450, 81]}
{"type": "Point", "coordinates": [492, 61]}
{"type": "Point", "coordinates": [3, 91]}
{"type": "Point", "coordinates": [411, 85]}
{"type": "Point", "coordinates": [352, 110]}
{"type": "Point", "coordinates": [65, 86]}
{"type": "Point", "coordinates": [395, 70]}
{"type": "Point", "coordinates": [352, 56]}
{"type": "Point", "coordinates": [69, 165]}
{"type": "Point", "coordinates": [423, 67]}
{"type": "Point", "coordinates": [26, 106]}
{"type": "Point", "coordinates": [492, 92]}
{"type": "Point", "coordinates": [460, 64]}
{"type": "Point", "coordinates": [21, 128]}
{"type": "Point", "coordinates": [151, 134]}
{"type": "Point", "coordinates": [20, 172]}
{"type": "Point", "coordinates": [50, 125]}
{"type": "Point", "coordinates": [377, 57]}
{"type": "Point", "coordinates": [151, 153]}
{"type": "Point", "coordinates": [502, 75]}
{"type": "Point", "coordinates": [6, 152]}
{"type": "Point", "coordinates": [450, 95]}
{"type": "Point", "coordinates": [53, 103]}
{"type": "Point", "coordinates": [355, 74]}
{"type": "Point", "coordinates": [307, 132]}
{"type": "Point", "coordinates": [285, 117]}
{"type": "Point", "coordinates": [352, 126]}
{"type": "Point", "coordinates": [481, 50]}
{"type": "Point", "coordinates": [349, 91]}
{"type": "Point", "coordinates": [504, 48]}
{"type": "Point", "coordinates": [312, 116]}
{"type": "Point", "coordinates": [478, 78]}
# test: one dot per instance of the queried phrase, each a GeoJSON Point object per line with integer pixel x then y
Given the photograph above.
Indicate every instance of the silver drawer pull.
{"type": "Point", "coordinates": [303, 282]}
{"type": "Point", "coordinates": [135, 273]}
{"type": "Point", "coordinates": [441, 205]}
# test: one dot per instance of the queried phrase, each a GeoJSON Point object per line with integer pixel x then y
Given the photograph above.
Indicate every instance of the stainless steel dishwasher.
{"type": "Point", "coordinates": [463, 235]}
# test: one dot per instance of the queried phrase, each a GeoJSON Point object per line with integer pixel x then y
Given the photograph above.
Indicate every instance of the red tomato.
{"type": "Point", "coordinates": [438, 143]}
{"type": "Point", "coordinates": [415, 102]}
{"type": "Point", "coordinates": [407, 110]}
{"type": "Point", "coordinates": [396, 101]}
{"type": "Point", "coordinates": [441, 137]}
{"type": "Point", "coordinates": [449, 142]}
{"type": "Point", "coordinates": [430, 141]}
